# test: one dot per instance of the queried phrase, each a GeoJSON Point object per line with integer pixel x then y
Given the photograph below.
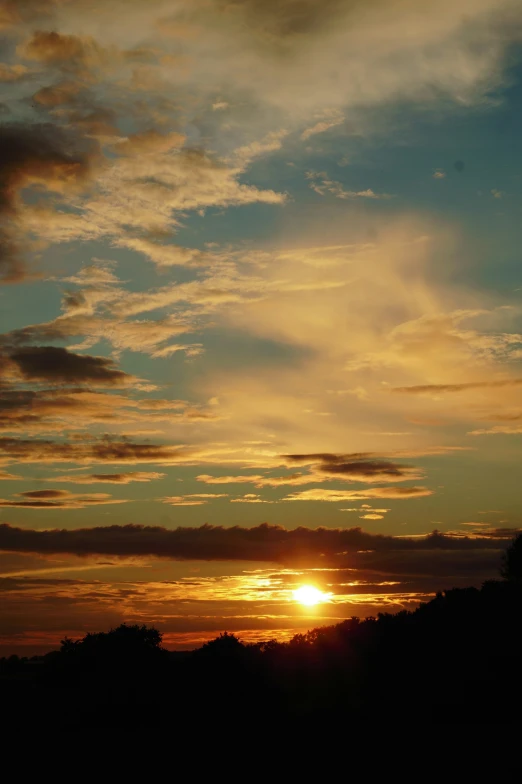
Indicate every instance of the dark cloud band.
{"type": "Point", "coordinates": [267, 543]}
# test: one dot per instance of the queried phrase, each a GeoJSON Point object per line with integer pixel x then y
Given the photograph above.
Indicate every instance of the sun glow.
{"type": "Point", "coordinates": [309, 595]}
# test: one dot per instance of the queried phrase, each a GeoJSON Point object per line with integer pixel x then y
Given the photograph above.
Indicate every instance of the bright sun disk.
{"type": "Point", "coordinates": [308, 595]}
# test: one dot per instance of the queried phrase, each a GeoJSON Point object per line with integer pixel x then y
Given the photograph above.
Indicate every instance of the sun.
{"type": "Point", "coordinates": [308, 595]}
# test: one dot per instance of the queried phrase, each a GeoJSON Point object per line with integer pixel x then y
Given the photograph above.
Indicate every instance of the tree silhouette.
{"type": "Point", "coordinates": [124, 643]}
{"type": "Point", "coordinates": [512, 562]}
{"type": "Point", "coordinates": [225, 646]}
{"type": "Point", "coordinates": [446, 660]}
{"type": "Point", "coordinates": [69, 646]}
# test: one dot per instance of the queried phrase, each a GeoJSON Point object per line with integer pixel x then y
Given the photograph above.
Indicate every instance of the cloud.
{"type": "Point", "coordinates": [497, 430]}
{"type": "Point", "coordinates": [326, 467]}
{"type": "Point", "coordinates": [58, 499]}
{"type": "Point", "coordinates": [143, 193]}
{"type": "Point", "coordinates": [67, 52]}
{"type": "Point", "coordinates": [321, 184]}
{"type": "Point", "coordinates": [65, 92]}
{"type": "Point", "coordinates": [285, 19]}
{"type": "Point", "coordinates": [38, 154]}
{"type": "Point", "coordinates": [259, 480]}
{"type": "Point", "coordinates": [323, 125]}
{"type": "Point", "coordinates": [45, 494]}
{"type": "Point", "coordinates": [250, 498]}
{"type": "Point", "coordinates": [289, 479]}
{"type": "Point", "coordinates": [229, 480]}
{"type": "Point", "coordinates": [165, 255]}
{"type": "Point", "coordinates": [194, 499]}
{"type": "Point", "coordinates": [6, 476]}
{"type": "Point", "coordinates": [16, 12]}
{"type": "Point", "coordinates": [302, 57]}
{"type": "Point", "coordinates": [349, 330]}
{"type": "Point", "coordinates": [355, 468]}
{"type": "Point", "coordinates": [337, 305]}
{"type": "Point", "coordinates": [48, 363]}
{"type": "Point", "coordinates": [422, 389]}
{"type": "Point", "coordinates": [139, 195]}
{"type": "Point", "coordinates": [61, 408]}
{"type": "Point", "coordinates": [42, 153]}
{"type": "Point", "coordinates": [116, 479]}
{"type": "Point", "coordinates": [443, 347]}
{"type": "Point", "coordinates": [12, 73]}
{"type": "Point", "coordinates": [98, 273]}
{"type": "Point", "coordinates": [269, 543]}
{"type": "Point", "coordinates": [150, 142]}
{"type": "Point", "coordinates": [272, 142]}
{"type": "Point", "coordinates": [145, 335]}
{"type": "Point", "coordinates": [95, 451]}
{"type": "Point", "coordinates": [321, 494]}
{"type": "Point", "coordinates": [369, 513]}
{"type": "Point", "coordinates": [366, 311]}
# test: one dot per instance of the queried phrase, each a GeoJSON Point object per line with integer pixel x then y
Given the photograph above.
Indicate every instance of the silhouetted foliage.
{"type": "Point", "coordinates": [512, 561]}
{"type": "Point", "coordinates": [451, 660]}
{"type": "Point", "coordinates": [224, 646]}
{"type": "Point", "coordinates": [123, 642]}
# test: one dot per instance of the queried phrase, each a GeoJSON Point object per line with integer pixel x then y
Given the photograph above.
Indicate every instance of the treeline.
{"type": "Point", "coordinates": [455, 659]}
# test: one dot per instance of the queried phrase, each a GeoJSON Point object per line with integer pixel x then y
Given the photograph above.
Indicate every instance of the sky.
{"type": "Point", "coordinates": [260, 310]}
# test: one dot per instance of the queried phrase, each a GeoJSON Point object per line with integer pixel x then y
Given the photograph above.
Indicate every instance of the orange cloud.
{"type": "Point", "coordinates": [92, 451]}
{"type": "Point", "coordinates": [58, 499]}
{"type": "Point", "coordinates": [422, 389]}
{"type": "Point", "coordinates": [194, 499]}
{"type": "Point", "coordinates": [116, 479]}
{"type": "Point", "coordinates": [149, 142]}
{"type": "Point", "coordinates": [68, 52]}
{"type": "Point", "coordinates": [228, 480]}
{"type": "Point", "coordinates": [49, 363]}
{"type": "Point", "coordinates": [36, 154]}
{"type": "Point", "coordinates": [12, 73]}
{"type": "Point", "coordinates": [4, 475]}
{"type": "Point", "coordinates": [250, 498]}
{"type": "Point", "coordinates": [58, 94]}
{"type": "Point", "coordinates": [62, 408]}
{"type": "Point", "coordinates": [320, 494]}
{"type": "Point", "coordinates": [355, 467]}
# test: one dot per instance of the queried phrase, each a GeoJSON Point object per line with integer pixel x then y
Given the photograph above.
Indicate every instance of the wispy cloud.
{"type": "Point", "coordinates": [116, 479]}
{"type": "Point", "coordinates": [323, 185]}
{"type": "Point", "coordinates": [335, 496]}
{"type": "Point", "coordinates": [335, 119]}
{"type": "Point", "coordinates": [422, 389]}
{"type": "Point", "coordinates": [193, 499]}
{"type": "Point", "coordinates": [57, 499]}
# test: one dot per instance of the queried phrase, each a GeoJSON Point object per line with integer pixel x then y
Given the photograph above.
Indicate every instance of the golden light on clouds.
{"type": "Point", "coordinates": [300, 293]}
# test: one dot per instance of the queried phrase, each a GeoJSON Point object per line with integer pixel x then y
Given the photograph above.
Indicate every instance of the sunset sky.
{"type": "Point", "coordinates": [260, 266]}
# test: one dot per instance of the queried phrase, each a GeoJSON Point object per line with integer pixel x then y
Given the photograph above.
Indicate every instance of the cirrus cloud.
{"type": "Point", "coordinates": [57, 499]}
{"type": "Point", "coordinates": [115, 479]}
{"type": "Point", "coordinates": [334, 496]}
{"type": "Point", "coordinates": [193, 499]}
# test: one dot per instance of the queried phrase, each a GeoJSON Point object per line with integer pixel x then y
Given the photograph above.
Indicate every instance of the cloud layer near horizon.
{"type": "Point", "coordinates": [262, 543]}
{"type": "Point", "coordinates": [100, 577]}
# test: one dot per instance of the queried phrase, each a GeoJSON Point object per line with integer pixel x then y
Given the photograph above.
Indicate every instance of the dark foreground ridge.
{"type": "Point", "coordinates": [455, 659]}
